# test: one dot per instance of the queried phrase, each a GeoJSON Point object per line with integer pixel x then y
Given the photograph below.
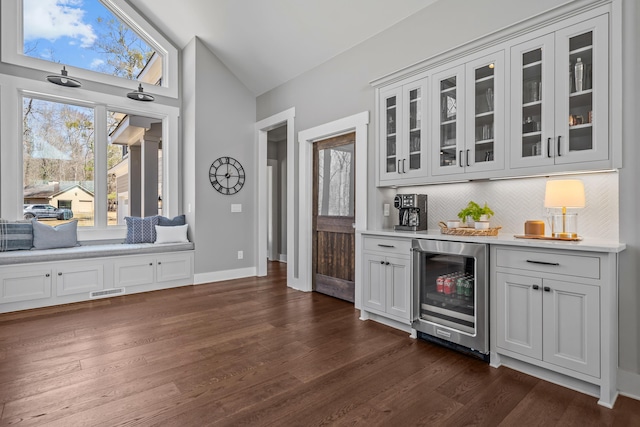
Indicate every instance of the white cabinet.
{"type": "Point", "coordinates": [149, 269]}
{"type": "Point", "coordinates": [80, 277]}
{"type": "Point", "coordinates": [558, 119]}
{"type": "Point", "coordinates": [174, 267]}
{"type": "Point", "coordinates": [25, 284]}
{"type": "Point", "coordinates": [402, 121]}
{"type": "Point", "coordinates": [550, 320]}
{"type": "Point", "coordinates": [386, 287]}
{"type": "Point", "coordinates": [468, 113]}
{"type": "Point", "coordinates": [555, 310]}
{"type": "Point", "coordinates": [133, 272]}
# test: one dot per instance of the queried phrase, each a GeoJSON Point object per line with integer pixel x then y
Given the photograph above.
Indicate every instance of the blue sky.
{"type": "Point", "coordinates": [64, 31]}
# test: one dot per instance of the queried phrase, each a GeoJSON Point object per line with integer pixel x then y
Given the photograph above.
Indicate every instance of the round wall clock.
{"type": "Point", "coordinates": [226, 175]}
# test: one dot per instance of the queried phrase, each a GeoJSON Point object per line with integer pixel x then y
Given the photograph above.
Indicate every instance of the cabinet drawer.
{"type": "Point", "coordinates": [567, 265]}
{"type": "Point", "coordinates": [387, 245]}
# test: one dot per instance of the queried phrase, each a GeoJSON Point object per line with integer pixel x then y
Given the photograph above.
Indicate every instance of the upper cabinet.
{"type": "Point", "coordinates": [534, 101]}
{"type": "Point", "coordinates": [402, 127]}
{"type": "Point", "coordinates": [468, 112]}
{"type": "Point", "coordinates": [560, 97]}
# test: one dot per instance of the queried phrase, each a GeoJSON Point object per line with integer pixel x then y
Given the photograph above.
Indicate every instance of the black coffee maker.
{"type": "Point", "coordinates": [412, 211]}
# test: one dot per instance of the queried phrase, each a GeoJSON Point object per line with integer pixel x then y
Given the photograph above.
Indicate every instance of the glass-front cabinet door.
{"type": "Point", "coordinates": [448, 123]}
{"type": "Point", "coordinates": [484, 148]}
{"type": "Point", "coordinates": [559, 97]}
{"type": "Point", "coordinates": [582, 78]}
{"type": "Point", "coordinates": [402, 125]}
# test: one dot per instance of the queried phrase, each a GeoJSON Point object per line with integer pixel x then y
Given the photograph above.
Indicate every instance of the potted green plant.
{"type": "Point", "coordinates": [475, 212]}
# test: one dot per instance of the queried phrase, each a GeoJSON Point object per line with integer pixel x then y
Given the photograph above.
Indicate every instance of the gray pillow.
{"type": "Point", "coordinates": [141, 230]}
{"type": "Point", "coordinates": [15, 235]}
{"type": "Point", "coordinates": [61, 236]}
{"type": "Point", "coordinates": [166, 222]}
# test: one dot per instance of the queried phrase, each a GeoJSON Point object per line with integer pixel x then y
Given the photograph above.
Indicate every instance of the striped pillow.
{"type": "Point", "coordinates": [15, 236]}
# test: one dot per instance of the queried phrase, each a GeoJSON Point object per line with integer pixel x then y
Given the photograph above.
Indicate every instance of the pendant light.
{"type": "Point", "coordinates": [139, 95]}
{"type": "Point", "coordinates": [63, 79]}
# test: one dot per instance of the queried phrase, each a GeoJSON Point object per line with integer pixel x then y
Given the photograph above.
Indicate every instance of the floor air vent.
{"type": "Point", "coordinates": [106, 293]}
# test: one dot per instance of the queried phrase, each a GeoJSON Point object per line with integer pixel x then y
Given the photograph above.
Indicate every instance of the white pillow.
{"type": "Point", "coordinates": [175, 234]}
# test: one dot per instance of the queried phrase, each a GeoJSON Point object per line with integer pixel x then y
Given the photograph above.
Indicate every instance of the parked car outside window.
{"type": "Point", "coordinates": [46, 211]}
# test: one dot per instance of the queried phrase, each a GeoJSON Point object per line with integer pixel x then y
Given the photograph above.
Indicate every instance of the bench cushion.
{"type": "Point", "coordinates": [90, 251]}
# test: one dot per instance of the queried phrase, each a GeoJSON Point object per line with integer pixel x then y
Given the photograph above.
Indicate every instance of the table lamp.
{"type": "Point", "coordinates": [565, 193]}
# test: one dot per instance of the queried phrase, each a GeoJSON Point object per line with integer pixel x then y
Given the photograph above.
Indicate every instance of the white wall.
{"type": "Point", "coordinates": [218, 120]}
{"type": "Point", "coordinates": [340, 87]}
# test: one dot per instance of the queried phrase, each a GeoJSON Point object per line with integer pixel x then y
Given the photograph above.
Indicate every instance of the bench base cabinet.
{"type": "Point", "coordinates": [550, 313]}
{"type": "Point", "coordinates": [46, 284]}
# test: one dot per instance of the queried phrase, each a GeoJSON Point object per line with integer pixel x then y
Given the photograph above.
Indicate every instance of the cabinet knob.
{"type": "Point", "coordinates": [536, 287]}
{"type": "Point", "coordinates": [60, 273]}
{"type": "Point", "coordinates": [547, 289]}
{"type": "Point", "coordinates": [150, 263]}
{"type": "Point", "coordinates": [159, 263]}
{"type": "Point", "coordinates": [382, 262]}
{"type": "Point", "coordinates": [386, 263]}
{"type": "Point", "coordinates": [47, 275]}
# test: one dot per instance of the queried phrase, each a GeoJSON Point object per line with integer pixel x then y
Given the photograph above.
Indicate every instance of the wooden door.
{"type": "Point", "coordinates": [334, 216]}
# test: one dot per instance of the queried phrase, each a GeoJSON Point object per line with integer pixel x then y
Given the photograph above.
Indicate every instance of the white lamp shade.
{"type": "Point", "coordinates": [566, 193]}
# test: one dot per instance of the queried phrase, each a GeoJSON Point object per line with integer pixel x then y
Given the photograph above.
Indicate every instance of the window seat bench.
{"type": "Point", "coordinates": [41, 278]}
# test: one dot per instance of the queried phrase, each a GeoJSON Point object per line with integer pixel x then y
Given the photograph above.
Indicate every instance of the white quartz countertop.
{"type": "Point", "coordinates": [586, 244]}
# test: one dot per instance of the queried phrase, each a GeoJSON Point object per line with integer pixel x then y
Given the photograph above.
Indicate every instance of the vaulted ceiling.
{"type": "Point", "coordinates": [265, 43]}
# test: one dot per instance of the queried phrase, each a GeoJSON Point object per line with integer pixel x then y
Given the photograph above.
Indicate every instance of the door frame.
{"type": "Point", "coordinates": [357, 123]}
{"type": "Point", "coordinates": [261, 129]}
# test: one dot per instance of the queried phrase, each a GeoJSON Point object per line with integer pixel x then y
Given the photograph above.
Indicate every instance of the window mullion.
{"type": "Point", "coordinates": [100, 166]}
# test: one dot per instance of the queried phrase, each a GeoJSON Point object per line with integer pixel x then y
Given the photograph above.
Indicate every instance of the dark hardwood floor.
{"type": "Point", "coordinates": [253, 352]}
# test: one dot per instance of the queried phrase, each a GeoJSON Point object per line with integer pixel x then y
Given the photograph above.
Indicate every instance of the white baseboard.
{"type": "Point", "coordinates": [218, 276]}
{"type": "Point", "coordinates": [629, 384]}
{"type": "Point", "coordinates": [283, 257]}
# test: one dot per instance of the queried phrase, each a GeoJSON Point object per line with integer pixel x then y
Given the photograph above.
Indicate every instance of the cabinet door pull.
{"type": "Point", "coordinates": [150, 263]}
{"type": "Point", "coordinates": [382, 262]}
{"type": "Point", "coordinates": [549, 147]}
{"type": "Point", "coordinates": [60, 273]}
{"type": "Point", "coordinates": [559, 152]}
{"type": "Point", "coordinates": [386, 263]}
{"type": "Point", "coordinates": [536, 287]}
{"type": "Point", "coordinates": [385, 246]}
{"type": "Point", "coordinates": [399, 171]}
{"type": "Point", "coordinates": [468, 158]}
{"type": "Point", "coordinates": [543, 262]}
{"type": "Point", "coordinates": [460, 160]}
{"type": "Point", "coordinates": [47, 275]}
{"type": "Point", "coordinates": [547, 289]}
{"type": "Point", "coordinates": [404, 170]}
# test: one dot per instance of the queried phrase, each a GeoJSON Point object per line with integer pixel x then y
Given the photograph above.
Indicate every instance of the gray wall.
{"type": "Point", "coordinates": [340, 87]}
{"type": "Point", "coordinates": [218, 120]}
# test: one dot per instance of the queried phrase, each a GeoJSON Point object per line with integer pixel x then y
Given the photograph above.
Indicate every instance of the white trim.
{"type": "Point", "coordinates": [219, 276]}
{"type": "Point", "coordinates": [358, 123]}
{"type": "Point", "coordinates": [11, 20]}
{"type": "Point", "coordinates": [261, 129]}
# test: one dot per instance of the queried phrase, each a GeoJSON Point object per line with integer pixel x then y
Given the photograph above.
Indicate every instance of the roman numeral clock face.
{"type": "Point", "coordinates": [226, 175]}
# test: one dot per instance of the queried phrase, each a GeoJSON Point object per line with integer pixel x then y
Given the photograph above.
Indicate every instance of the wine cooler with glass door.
{"type": "Point", "coordinates": [450, 285]}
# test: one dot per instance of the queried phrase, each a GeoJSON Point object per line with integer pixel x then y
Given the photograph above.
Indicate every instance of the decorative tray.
{"type": "Point", "coordinates": [467, 231]}
{"type": "Point", "coordinates": [534, 236]}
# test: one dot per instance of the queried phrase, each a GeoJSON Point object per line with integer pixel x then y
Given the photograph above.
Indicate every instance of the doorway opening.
{"type": "Point", "coordinates": [277, 194]}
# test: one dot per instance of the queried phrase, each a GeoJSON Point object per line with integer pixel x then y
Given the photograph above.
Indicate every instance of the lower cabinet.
{"type": "Point", "coordinates": [555, 310]}
{"type": "Point", "coordinates": [45, 284]}
{"type": "Point", "coordinates": [386, 287]}
{"type": "Point", "coordinates": [550, 320]}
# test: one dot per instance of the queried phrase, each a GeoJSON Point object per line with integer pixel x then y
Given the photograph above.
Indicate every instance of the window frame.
{"type": "Point", "coordinates": [11, 46]}
{"type": "Point", "coordinates": [12, 91]}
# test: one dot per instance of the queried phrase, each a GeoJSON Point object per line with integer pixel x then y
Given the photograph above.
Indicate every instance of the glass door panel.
{"type": "Point", "coordinates": [415, 128]}
{"type": "Point", "coordinates": [391, 135]}
{"type": "Point", "coordinates": [531, 112]}
{"type": "Point", "coordinates": [448, 118]}
{"type": "Point", "coordinates": [484, 120]}
{"type": "Point", "coordinates": [581, 92]}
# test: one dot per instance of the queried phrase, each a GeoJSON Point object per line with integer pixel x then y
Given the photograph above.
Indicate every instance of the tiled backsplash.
{"type": "Point", "coordinates": [515, 201]}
